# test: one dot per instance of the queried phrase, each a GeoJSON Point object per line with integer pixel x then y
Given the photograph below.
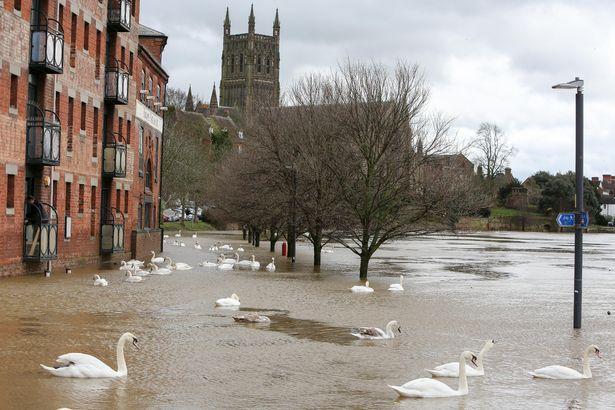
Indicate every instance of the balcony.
{"type": "Point", "coordinates": [46, 44]}
{"type": "Point", "coordinates": [41, 233]}
{"type": "Point", "coordinates": [112, 231]}
{"type": "Point", "coordinates": [114, 156]}
{"type": "Point", "coordinates": [117, 81]}
{"type": "Point", "coordinates": [119, 14]}
{"type": "Point", "coordinates": [43, 133]}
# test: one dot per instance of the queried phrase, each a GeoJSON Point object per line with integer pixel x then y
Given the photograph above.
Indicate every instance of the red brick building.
{"type": "Point", "coordinates": [80, 130]}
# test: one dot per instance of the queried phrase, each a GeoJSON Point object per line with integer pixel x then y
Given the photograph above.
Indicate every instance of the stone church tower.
{"type": "Point", "coordinates": [250, 66]}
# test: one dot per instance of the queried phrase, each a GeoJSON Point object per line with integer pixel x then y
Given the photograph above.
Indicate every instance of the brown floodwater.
{"type": "Point", "coordinates": [460, 290]}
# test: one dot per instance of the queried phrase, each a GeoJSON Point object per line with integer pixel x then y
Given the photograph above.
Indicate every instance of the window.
{"type": "Point", "coordinates": [268, 64]}
{"type": "Point", "coordinates": [98, 53]}
{"type": "Point", "coordinates": [67, 199]}
{"type": "Point", "coordinates": [128, 131]}
{"type": "Point", "coordinates": [118, 199]}
{"type": "Point", "coordinates": [73, 39]}
{"type": "Point", "coordinates": [123, 55]}
{"type": "Point", "coordinates": [150, 89]}
{"type": "Point", "coordinates": [71, 113]}
{"type": "Point", "coordinates": [86, 36]}
{"type": "Point", "coordinates": [93, 213]}
{"type": "Point", "coordinates": [14, 89]}
{"type": "Point", "coordinates": [141, 95]}
{"type": "Point", "coordinates": [241, 63]}
{"type": "Point", "coordinates": [141, 131]}
{"type": "Point", "coordinates": [156, 163]}
{"type": "Point", "coordinates": [120, 125]}
{"type": "Point", "coordinates": [131, 62]}
{"type": "Point", "coordinates": [259, 63]}
{"type": "Point", "coordinates": [57, 104]}
{"type": "Point", "coordinates": [95, 134]}
{"type": "Point", "coordinates": [81, 198]}
{"type": "Point", "coordinates": [148, 175]}
{"type": "Point", "coordinates": [93, 198]}
{"type": "Point", "coordinates": [10, 191]}
{"type": "Point", "coordinates": [126, 202]}
{"type": "Point", "coordinates": [54, 196]}
{"type": "Point", "coordinates": [61, 15]}
{"type": "Point", "coordinates": [17, 5]}
{"type": "Point", "coordinates": [83, 115]}
{"type": "Point", "coordinates": [232, 63]}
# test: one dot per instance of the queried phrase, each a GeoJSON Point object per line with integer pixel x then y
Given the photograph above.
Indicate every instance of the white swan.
{"type": "Point", "coordinates": [377, 333]}
{"type": "Point", "coordinates": [98, 281]}
{"type": "Point", "coordinates": [214, 247]}
{"type": "Point", "coordinates": [254, 264]}
{"type": "Point", "coordinates": [178, 234]}
{"type": "Point", "coordinates": [135, 262]}
{"type": "Point", "coordinates": [226, 266]}
{"type": "Point", "coordinates": [431, 388]}
{"type": "Point", "coordinates": [155, 270]}
{"type": "Point", "coordinates": [252, 317]}
{"type": "Point", "coordinates": [198, 246]}
{"type": "Point", "coordinates": [271, 265]}
{"type": "Point", "coordinates": [165, 236]}
{"type": "Point", "coordinates": [452, 369]}
{"type": "Point", "coordinates": [230, 261]}
{"type": "Point", "coordinates": [240, 249]}
{"type": "Point", "coordinates": [157, 260]}
{"type": "Point", "coordinates": [132, 279]}
{"type": "Point", "coordinates": [397, 287]}
{"type": "Point", "coordinates": [178, 265]}
{"type": "Point", "coordinates": [141, 272]}
{"type": "Point", "coordinates": [208, 264]}
{"type": "Point", "coordinates": [182, 244]}
{"type": "Point", "coordinates": [566, 373]}
{"type": "Point", "coordinates": [244, 264]}
{"type": "Point", "coordinates": [232, 301]}
{"type": "Point", "coordinates": [194, 236]}
{"type": "Point", "coordinates": [130, 266]}
{"type": "Point", "coordinates": [86, 367]}
{"type": "Point", "coordinates": [362, 289]}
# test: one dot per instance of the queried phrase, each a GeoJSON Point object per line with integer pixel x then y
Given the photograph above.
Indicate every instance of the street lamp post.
{"type": "Point", "coordinates": [578, 230]}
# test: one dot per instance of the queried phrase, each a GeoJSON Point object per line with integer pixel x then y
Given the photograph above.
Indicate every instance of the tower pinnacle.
{"type": "Point", "coordinates": [227, 24]}
{"type": "Point", "coordinates": [251, 20]}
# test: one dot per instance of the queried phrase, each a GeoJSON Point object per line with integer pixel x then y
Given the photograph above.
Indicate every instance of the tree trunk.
{"type": "Point", "coordinates": [273, 238]}
{"type": "Point", "coordinates": [183, 210]}
{"type": "Point", "coordinates": [257, 241]}
{"type": "Point", "coordinates": [244, 232]}
{"type": "Point", "coordinates": [317, 241]}
{"type": "Point", "coordinates": [250, 233]}
{"type": "Point", "coordinates": [364, 265]}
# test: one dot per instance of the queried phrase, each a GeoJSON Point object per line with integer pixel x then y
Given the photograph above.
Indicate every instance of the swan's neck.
{"type": "Point", "coordinates": [389, 331]}
{"type": "Point", "coordinates": [586, 370]}
{"type": "Point", "coordinates": [121, 362]}
{"type": "Point", "coordinates": [463, 379]}
{"type": "Point", "coordinates": [479, 359]}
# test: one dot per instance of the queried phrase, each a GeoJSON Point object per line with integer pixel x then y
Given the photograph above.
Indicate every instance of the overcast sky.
{"type": "Point", "coordinates": [485, 60]}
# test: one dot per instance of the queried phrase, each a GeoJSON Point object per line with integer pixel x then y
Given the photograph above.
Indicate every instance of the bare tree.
{"type": "Point", "coordinates": [494, 152]}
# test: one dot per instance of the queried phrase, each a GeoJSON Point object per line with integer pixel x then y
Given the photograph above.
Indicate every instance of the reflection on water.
{"type": "Point", "coordinates": [194, 355]}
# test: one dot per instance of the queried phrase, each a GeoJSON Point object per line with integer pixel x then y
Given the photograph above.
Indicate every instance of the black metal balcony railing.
{"type": "Point", "coordinates": [46, 44]}
{"type": "Point", "coordinates": [119, 15]}
{"type": "Point", "coordinates": [43, 132]}
{"type": "Point", "coordinates": [117, 81]}
{"type": "Point", "coordinates": [114, 156]}
{"type": "Point", "coordinates": [40, 233]}
{"type": "Point", "coordinates": [112, 231]}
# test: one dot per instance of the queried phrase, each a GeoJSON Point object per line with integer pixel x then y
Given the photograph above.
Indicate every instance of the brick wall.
{"type": "Point", "coordinates": [146, 242]}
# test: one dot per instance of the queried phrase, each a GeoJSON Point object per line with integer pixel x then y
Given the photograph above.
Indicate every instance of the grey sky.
{"type": "Point", "coordinates": [485, 60]}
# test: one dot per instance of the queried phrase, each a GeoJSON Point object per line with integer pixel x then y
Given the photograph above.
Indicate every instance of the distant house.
{"type": "Point", "coordinates": [608, 206]}
{"type": "Point", "coordinates": [534, 192]}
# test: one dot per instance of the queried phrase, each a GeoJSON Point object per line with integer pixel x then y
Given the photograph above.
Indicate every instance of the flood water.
{"type": "Point", "coordinates": [515, 288]}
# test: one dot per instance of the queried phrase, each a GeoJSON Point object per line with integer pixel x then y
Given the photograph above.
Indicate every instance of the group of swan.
{"type": "Point", "coordinates": [394, 287]}
{"type": "Point", "coordinates": [224, 263]}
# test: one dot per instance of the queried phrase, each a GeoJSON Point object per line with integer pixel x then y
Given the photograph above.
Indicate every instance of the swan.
{"type": "Point", "coordinates": [362, 289]}
{"type": "Point", "coordinates": [155, 270]}
{"type": "Point", "coordinates": [397, 287]}
{"type": "Point", "coordinates": [178, 265]}
{"type": "Point", "coordinates": [452, 369]}
{"type": "Point", "coordinates": [132, 279]}
{"type": "Point", "coordinates": [178, 234]}
{"type": "Point", "coordinates": [130, 266]}
{"type": "Point", "coordinates": [376, 333]}
{"type": "Point", "coordinates": [88, 367]}
{"type": "Point", "coordinates": [254, 264]}
{"type": "Point", "coordinates": [246, 263]}
{"type": "Point", "coordinates": [198, 246]}
{"type": "Point", "coordinates": [226, 247]}
{"type": "Point", "coordinates": [271, 265]}
{"type": "Point", "coordinates": [207, 264]}
{"type": "Point", "coordinates": [140, 272]}
{"type": "Point", "coordinates": [194, 236]}
{"type": "Point", "coordinates": [214, 247]}
{"type": "Point", "coordinates": [232, 301]}
{"type": "Point", "coordinates": [566, 373]}
{"type": "Point", "coordinates": [229, 261]}
{"type": "Point", "coordinates": [182, 244]}
{"type": "Point", "coordinates": [175, 242]}
{"type": "Point", "coordinates": [98, 281]}
{"type": "Point", "coordinates": [157, 260]}
{"type": "Point", "coordinates": [135, 262]}
{"type": "Point", "coordinates": [431, 388]}
{"type": "Point", "coordinates": [327, 250]}
{"type": "Point", "coordinates": [165, 236]}
{"type": "Point", "coordinates": [252, 317]}
{"type": "Point", "coordinates": [240, 250]}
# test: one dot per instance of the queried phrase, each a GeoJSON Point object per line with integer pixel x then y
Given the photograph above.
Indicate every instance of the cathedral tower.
{"type": "Point", "coordinates": [250, 66]}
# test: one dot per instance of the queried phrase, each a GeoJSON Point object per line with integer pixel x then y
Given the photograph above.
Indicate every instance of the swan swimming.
{"type": "Point", "coordinates": [397, 287]}
{"type": "Point", "coordinates": [98, 281]}
{"type": "Point", "coordinates": [566, 373]}
{"type": "Point", "coordinates": [130, 266]}
{"type": "Point", "coordinates": [240, 249]}
{"type": "Point", "coordinates": [232, 301]}
{"type": "Point", "coordinates": [362, 289]}
{"type": "Point", "coordinates": [252, 317]}
{"type": "Point", "coordinates": [254, 264]}
{"type": "Point", "coordinates": [178, 265]}
{"type": "Point", "coordinates": [132, 279]}
{"type": "Point", "coordinates": [452, 369]}
{"type": "Point", "coordinates": [157, 260]}
{"type": "Point", "coordinates": [271, 265]}
{"type": "Point", "coordinates": [198, 246]}
{"type": "Point", "coordinates": [430, 388]}
{"type": "Point", "coordinates": [155, 270]}
{"type": "Point", "coordinates": [377, 333]}
{"type": "Point", "coordinates": [88, 367]}
{"type": "Point", "coordinates": [178, 234]}
{"type": "Point", "coordinates": [194, 236]}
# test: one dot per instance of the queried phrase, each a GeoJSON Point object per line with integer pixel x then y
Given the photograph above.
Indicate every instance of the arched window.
{"type": "Point", "coordinates": [148, 174]}
{"type": "Point", "coordinates": [158, 100]}
{"type": "Point", "coordinates": [150, 88]}
{"type": "Point", "coordinates": [141, 95]}
{"type": "Point", "coordinates": [268, 64]}
{"type": "Point", "coordinates": [241, 63]}
{"type": "Point", "coordinates": [259, 63]}
{"type": "Point", "coordinates": [232, 63]}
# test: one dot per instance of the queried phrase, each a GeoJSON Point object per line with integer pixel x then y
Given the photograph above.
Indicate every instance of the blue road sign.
{"type": "Point", "coordinates": [566, 219]}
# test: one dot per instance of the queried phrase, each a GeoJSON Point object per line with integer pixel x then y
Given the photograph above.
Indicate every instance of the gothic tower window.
{"type": "Point", "coordinates": [259, 63]}
{"type": "Point", "coordinates": [241, 63]}
{"type": "Point", "coordinates": [232, 64]}
{"type": "Point", "coordinates": [268, 64]}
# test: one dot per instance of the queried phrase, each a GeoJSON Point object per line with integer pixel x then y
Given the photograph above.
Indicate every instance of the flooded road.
{"type": "Point", "coordinates": [515, 288]}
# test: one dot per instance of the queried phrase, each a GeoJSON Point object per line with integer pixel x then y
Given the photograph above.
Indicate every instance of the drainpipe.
{"type": "Point", "coordinates": [164, 126]}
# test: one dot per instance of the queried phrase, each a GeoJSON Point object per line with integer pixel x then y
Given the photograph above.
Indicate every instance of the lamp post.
{"type": "Point", "coordinates": [578, 229]}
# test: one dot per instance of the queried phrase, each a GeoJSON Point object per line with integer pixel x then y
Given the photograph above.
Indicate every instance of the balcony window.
{"type": "Point", "coordinates": [119, 15]}
{"type": "Point", "coordinates": [114, 156]}
{"type": "Point", "coordinates": [112, 231]}
{"type": "Point", "coordinates": [117, 83]}
{"type": "Point", "coordinates": [43, 136]}
{"type": "Point", "coordinates": [46, 44]}
{"type": "Point", "coordinates": [41, 232]}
